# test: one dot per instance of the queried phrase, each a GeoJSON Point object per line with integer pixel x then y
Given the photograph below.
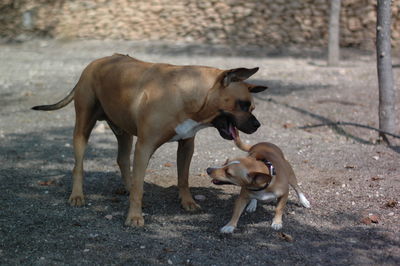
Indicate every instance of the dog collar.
{"type": "Point", "coordinates": [271, 168]}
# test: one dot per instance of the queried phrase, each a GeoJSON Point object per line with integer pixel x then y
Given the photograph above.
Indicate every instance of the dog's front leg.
{"type": "Point", "coordinates": [240, 204]}
{"type": "Point", "coordinates": [184, 157]}
{"type": "Point", "coordinates": [143, 152]}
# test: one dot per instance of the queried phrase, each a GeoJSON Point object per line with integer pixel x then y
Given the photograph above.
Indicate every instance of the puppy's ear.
{"type": "Point", "coordinates": [237, 74]}
{"type": "Point", "coordinates": [257, 89]}
{"type": "Point", "coordinates": [258, 178]}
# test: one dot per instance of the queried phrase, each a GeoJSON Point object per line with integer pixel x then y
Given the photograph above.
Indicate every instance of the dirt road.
{"type": "Point", "coordinates": [347, 177]}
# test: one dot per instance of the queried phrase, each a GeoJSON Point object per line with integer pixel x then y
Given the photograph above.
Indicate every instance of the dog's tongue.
{"type": "Point", "coordinates": [233, 131]}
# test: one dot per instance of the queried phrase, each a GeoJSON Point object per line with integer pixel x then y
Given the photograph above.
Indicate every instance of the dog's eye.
{"type": "Point", "coordinates": [244, 105]}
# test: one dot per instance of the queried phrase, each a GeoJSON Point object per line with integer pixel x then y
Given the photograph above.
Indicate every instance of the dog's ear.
{"type": "Point", "coordinates": [237, 74]}
{"type": "Point", "coordinates": [259, 178]}
{"type": "Point", "coordinates": [257, 88]}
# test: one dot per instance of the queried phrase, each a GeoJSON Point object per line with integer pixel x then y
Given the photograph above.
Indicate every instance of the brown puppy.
{"type": "Point", "coordinates": [263, 175]}
{"type": "Point", "coordinates": [157, 103]}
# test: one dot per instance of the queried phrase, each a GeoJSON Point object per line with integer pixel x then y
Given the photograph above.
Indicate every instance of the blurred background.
{"type": "Point", "coordinates": [265, 23]}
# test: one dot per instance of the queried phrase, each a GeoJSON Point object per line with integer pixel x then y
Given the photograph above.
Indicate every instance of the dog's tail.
{"type": "Point", "coordinates": [239, 143]}
{"type": "Point", "coordinates": [58, 105]}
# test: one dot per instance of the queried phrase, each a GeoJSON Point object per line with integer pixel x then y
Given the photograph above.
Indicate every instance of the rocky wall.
{"type": "Point", "coordinates": [270, 23]}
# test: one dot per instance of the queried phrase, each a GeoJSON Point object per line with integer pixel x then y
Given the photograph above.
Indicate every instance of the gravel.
{"type": "Point", "coordinates": [348, 177]}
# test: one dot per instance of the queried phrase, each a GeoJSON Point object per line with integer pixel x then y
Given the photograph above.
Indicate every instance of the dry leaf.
{"type": "Point", "coordinates": [121, 191]}
{"type": "Point", "coordinates": [366, 220]}
{"type": "Point", "coordinates": [376, 178]}
{"type": "Point", "coordinates": [288, 125]}
{"type": "Point", "coordinates": [349, 166]}
{"type": "Point", "coordinates": [374, 218]}
{"type": "Point", "coordinates": [47, 183]}
{"type": "Point", "coordinates": [168, 165]}
{"type": "Point", "coordinates": [285, 237]}
{"type": "Point", "coordinates": [391, 203]}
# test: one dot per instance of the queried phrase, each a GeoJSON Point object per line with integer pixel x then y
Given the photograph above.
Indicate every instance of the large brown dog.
{"type": "Point", "coordinates": [157, 103]}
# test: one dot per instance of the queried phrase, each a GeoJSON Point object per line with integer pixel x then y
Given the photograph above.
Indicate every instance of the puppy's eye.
{"type": "Point", "coordinates": [244, 105]}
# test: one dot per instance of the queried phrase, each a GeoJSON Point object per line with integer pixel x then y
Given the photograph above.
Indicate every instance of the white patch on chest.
{"type": "Point", "coordinates": [187, 129]}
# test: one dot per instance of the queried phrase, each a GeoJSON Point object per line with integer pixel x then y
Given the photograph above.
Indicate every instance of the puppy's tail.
{"type": "Point", "coordinates": [239, 143]}
{"type": "Point", "coordinates": [58, 105]}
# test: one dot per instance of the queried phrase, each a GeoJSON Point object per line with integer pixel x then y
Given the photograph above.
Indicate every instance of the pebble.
{"type": "Point", "coordinates": [200, 197]}
{"type": "Point", "coordinates": [391, 213]}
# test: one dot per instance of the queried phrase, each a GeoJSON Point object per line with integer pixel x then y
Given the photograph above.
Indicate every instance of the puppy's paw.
{"type": "Point", "coordinates": [76, 200]}
{"type": "Point", "coordinates": [134, 221]}
{"type": "Point", "coordinates": [276, 226]}
{"type": "Point", "coordinates": [252, 206]}
{"type": "Point", "coordinates": [190, 205]}
{"type": "Point", "coordinates": [304, 201]}
{"type": "Point", "coordinates": [227, 229]}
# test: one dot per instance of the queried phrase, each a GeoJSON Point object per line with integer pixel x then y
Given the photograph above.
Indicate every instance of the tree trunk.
{"type": "Point", "coordinates": [334, 23]}
{"type": "Point", "coordinates": [384, 67]}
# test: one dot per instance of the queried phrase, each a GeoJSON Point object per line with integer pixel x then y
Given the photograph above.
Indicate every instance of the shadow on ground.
{"type": "Point", "coordinates": [38, 227]}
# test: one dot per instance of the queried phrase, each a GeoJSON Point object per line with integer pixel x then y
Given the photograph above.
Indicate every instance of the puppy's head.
{"type": "Point", "coordinates": [244, 172]}
{"type": "Point", "coordinates": [235, 102]}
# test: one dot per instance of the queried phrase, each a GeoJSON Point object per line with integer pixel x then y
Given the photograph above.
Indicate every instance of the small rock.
{"type": "Point", "coordinates": [108, 216]}
{"type": "Point", "coordinates": [86, 250]}
{"type": "Point", "coordinates": [288, 125]}
{"type": "Point", "coordinates": [169, 262]}
{"type": "Point", "coordinates": [376, 158]}
{"type": "Point", "coordinates": [142, 247]}
{"type": "Point", "coordinates": [200, 197]}
{"type": "Point", "coordinates": [391, 213]}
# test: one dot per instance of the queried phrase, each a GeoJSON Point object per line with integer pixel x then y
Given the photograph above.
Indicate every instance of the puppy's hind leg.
{"type": "Point", "coordinates": [277, 221]}
{"type": "Point", "coordinates": [293, 183]}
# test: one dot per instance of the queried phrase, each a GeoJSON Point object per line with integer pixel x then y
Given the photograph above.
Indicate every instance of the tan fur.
{"type": "Point", "coordinates": [149, 100]}
{"type": "Point", "coordinates": [251, 173]}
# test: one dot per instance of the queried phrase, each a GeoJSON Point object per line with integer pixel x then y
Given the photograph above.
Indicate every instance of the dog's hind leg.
{"type": "Point", "coordinates": [277, 221]}
{"type": "Point", "coordinates": [293, 183]}
{"type": "Point", "coordinates": [184, 156]}
{"type": "Point", "coordinates": [125, 141]}
{"type": "Point", "coordinates": [86, 117]}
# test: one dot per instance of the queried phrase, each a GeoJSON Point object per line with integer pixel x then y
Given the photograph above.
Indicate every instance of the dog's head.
{"type": "Point", "coordinates": [235, 103]}
{"type": "Point", "coordinates": [245, 172]}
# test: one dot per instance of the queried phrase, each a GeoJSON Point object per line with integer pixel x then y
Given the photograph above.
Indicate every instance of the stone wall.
{"type": "Point", "coordinates": [270, 23]}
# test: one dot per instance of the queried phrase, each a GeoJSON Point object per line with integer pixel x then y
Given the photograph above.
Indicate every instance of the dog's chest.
{"type": "Point", "coordinates": [187, 129]}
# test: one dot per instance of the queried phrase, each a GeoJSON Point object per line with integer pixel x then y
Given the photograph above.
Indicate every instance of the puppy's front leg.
{"type": "Point", "coordinates": [240, 204]}
{"type": "Point", "coordinates": [277, 221]}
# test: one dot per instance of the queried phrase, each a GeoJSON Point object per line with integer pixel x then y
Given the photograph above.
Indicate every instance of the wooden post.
{"type": "Point", "coordinates": [384, 67]}
{"type": "Point", "coordinates": [334, 29]}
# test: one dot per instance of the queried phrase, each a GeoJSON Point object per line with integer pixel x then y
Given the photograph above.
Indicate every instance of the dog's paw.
{"type": "Point", "coordinates": [227, 229]}
{"type": "Point", "coordinates": [276, 226]}
{"type": "Point", "coordinates": [190, 205]}
{"type": "Point", "coordinates": [76, 200]}
{"type": "Point", "coordinates": [304, 201]}
{"type": "Point", "coordinates": [252, 206]}
{"type": "Point", "coordinates": [134, 221]}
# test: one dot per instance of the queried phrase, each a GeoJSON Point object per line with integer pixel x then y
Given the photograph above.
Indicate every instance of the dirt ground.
{"type": "Point", "coordinates": [348, 178]}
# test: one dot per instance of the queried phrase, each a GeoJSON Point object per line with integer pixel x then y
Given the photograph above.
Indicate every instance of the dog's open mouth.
{"type": "Point", "coordinates": [226, 126]}
{"type": "Point", "coordinates": [219, 182]}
